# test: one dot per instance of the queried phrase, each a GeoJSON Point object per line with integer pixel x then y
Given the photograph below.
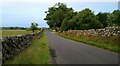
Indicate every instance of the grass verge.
{"type": "Point", "coordinates": [36, 53]}
{"type": "Point", "coordinates": [111, 47]}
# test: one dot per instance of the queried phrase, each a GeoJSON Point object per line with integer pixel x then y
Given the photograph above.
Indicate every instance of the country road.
{"type": "Point", "coordinates": [71, 52]}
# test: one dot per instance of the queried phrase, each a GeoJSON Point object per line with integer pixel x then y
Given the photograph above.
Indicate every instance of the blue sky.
{"type": "Point", "coordinates": [22, 12]}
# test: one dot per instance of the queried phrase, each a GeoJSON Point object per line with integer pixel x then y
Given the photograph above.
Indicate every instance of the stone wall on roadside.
{"type": "Point", "coordinates": [108, 31]}
{"type": "Point", "coordinates": [13, 45]}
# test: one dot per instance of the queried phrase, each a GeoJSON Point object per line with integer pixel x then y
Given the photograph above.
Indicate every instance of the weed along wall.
{"type": "Point", "coordinates": [11, 46]}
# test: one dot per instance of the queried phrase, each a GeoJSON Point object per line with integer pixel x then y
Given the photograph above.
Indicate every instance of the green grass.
{"type": "Point", "coordinates": [5, 33]}
{"type": "Point", "coordinates": [109, 43]}
{"type": "Point", "coordinates": [37, 53]}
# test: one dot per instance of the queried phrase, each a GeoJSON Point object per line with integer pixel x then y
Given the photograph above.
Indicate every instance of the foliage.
{"type": "Point", "coordinates": [56, 15]}
{"type": "Point", "coordinates": [62, 18]}
{"type": "Point", "coordinates": [33, 26]}
{"type": "Point", "coordinates": [116, 19]}
{"type": "Point", "coordinates": [86, 20]}
{"type": "Point", "coordinates": [102, 18]}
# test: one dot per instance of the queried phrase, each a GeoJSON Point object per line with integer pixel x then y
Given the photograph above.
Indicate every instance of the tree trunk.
{"type": "Point", "coordinates": [56, 29]}
{"type": "Point", "coordinates": [33, 31]}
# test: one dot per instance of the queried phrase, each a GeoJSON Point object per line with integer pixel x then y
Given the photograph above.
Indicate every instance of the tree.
{"type": "Point", "coordinates": [110, 19]}
{"type": "Point", "coordinates": [86, 19]}
{"type": "Point", "coordinates": [67, 22]}
{"type": "Point", "coordinates": [56, 15]}
{"type": "Point", "coordinates": [33, 26]}
{"type": "Point", "coordinates": [116, 19]}
{"type": "Point", "coordinates": [64, 26]}
{"type": "Point", "coordinates": [62, 18]}
{"type": "Point", "coordinates": [68, 25]}
{"type": "Point", "coordinates": [95, 24]}
{"type": "Point", "coordinates": [102, 18]}
{"type": "Point", "coordinates": [57, 18]}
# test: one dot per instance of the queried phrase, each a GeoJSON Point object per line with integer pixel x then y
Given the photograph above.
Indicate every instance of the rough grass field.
{"type": "Point", "coordinates": [110, 43]}
{"type": "Point", "coordinates": [37, 53]}
{"type": "Point", "coordinates": [5, 33]}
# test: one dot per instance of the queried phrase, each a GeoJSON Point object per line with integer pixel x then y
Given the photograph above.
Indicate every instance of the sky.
{"type": "Point", "coordinates": [22, 12]}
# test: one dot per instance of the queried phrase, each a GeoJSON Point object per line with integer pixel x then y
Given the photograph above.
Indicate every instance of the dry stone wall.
{"type": "Point", "coordinates": [11, 46]}
{"type": "Point", "coordinates": [108, 31]}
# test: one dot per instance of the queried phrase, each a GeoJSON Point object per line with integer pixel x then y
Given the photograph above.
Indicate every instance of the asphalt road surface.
{"type": "Point", "coordinates": [71, 52]}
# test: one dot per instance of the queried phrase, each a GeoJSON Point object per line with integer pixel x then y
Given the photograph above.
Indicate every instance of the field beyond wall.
{"type": "Point", "coordinates": [4, 33]}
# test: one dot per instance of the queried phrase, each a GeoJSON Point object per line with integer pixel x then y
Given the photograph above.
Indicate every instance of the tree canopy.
{"type": "Point", "coordinates": [62, 18]}
{"type": "Point", "coordinates": [33, 26]}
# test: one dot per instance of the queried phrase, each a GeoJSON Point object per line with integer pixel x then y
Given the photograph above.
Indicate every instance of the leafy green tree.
{"type": "Point", "coordinates": [68, 20]}
{"type": "Point", "coordinates": [56, 15]}
{"type": "Point", "coordinates": [103, 17]}
{"type": "Point", "coordinates": [50, 23]}
{"type": "Point", "coordinates": [95, 24]}
{"type": "Point", "coordinates": [85, 19]}
{"type": "Point", "coordinates": [33, 26]}
{"type": "Point", "coordinates": [64, 26]}
{"type": "Point", "coordinates": [116, 19]}
{"type": "Point", "coordinates": [48, 17]}
{"type": "Point", "coordinates": [59, 17]}
{"type": "Point", "coordinates": [110, 19]}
